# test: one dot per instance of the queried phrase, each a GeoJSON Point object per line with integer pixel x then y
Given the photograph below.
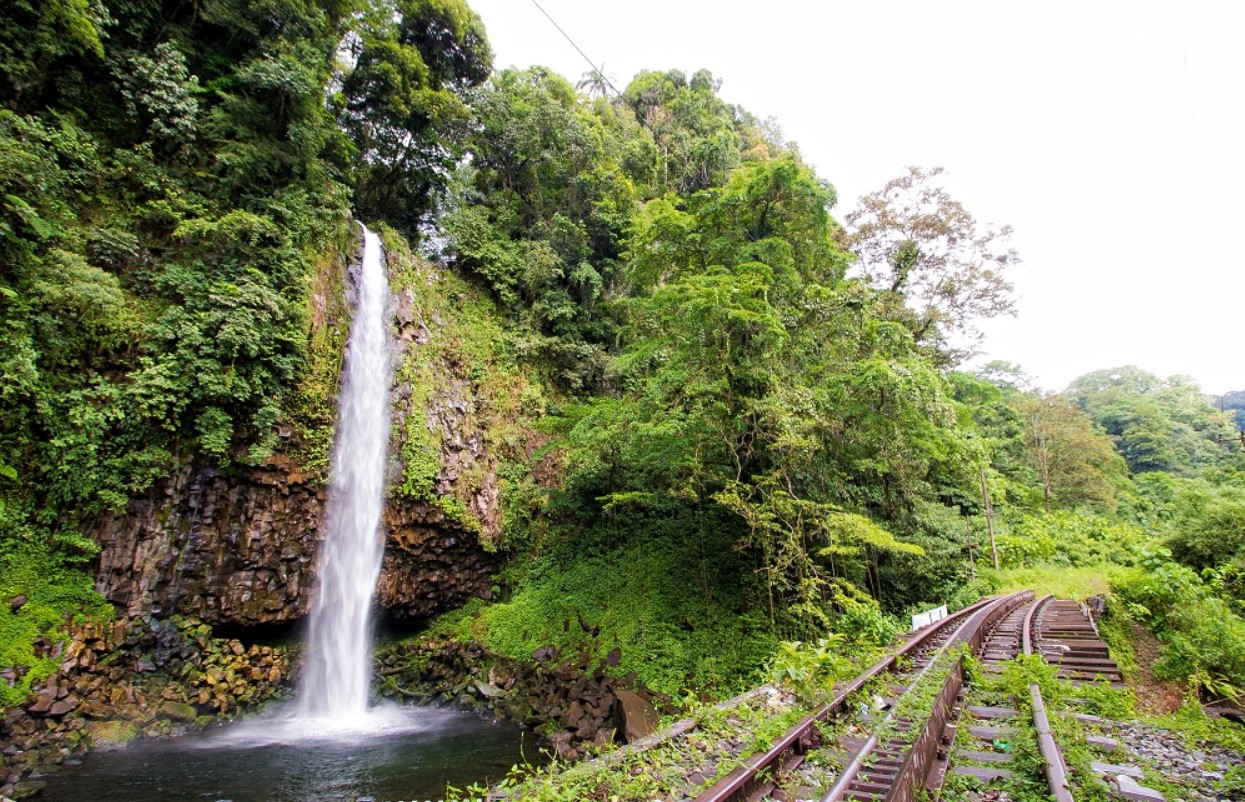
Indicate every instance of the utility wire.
{"type": "Point", "coordinates": [568, 38]}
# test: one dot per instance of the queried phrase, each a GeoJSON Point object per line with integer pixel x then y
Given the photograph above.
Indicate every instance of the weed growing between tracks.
{"type": "Point", "coordinates": [1064, 700]}
{"type": "Point", "coordinates": [916, 703]}
{"type": "Point", "coordinates": [1009, 688]}
{"type": "Point", "coordinates": [1111, 704]}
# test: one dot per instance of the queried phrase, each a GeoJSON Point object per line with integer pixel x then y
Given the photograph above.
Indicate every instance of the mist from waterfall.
{"type": "Point", "coordinates": [337, 667]}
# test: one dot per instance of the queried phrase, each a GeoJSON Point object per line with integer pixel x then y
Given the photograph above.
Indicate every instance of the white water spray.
{"type": "Point", "coordinates": [337, 670]}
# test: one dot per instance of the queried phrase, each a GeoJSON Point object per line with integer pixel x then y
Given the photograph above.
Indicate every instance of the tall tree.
{"type": "Point", "coordinates": [403, 102]}
{"type": "Point", "coordinates": [941, 270]}
{"type": "Point", "coordinates": [1075, 461]}
{"type": "Point", "coordinates": [757, 381]}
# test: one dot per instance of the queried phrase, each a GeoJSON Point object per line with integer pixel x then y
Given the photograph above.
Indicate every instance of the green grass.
{"type": "Point", "coordinates": [53, 592]}
{"type": "Point", "coordinates": [649, 600]}
{"type": "Point", "coordinates": [1063, 582]}
{"type": "Point", "coordinates": [1192, 723]}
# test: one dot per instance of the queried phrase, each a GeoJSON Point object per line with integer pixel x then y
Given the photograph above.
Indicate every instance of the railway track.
{"type": "Point", "coordinates": [1019, 634]}
{"type": "Point", "coordinates": [904, 756]}
{"type": "Point", "coordinates": [885, 767]}
{"type": "Point", "coordinates": [918, 725]}
{"type": "Point", "coordinates": [1069, 639]}
{"type": "Point", "coordinates": [1066, 637]}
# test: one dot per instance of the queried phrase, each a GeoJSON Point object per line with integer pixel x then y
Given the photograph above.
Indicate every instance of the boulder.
{"type": "Point", "coordinates": [636, 717]}
{"type": "Point", "coordinates": [109, 735]}
{"type": "Point", "coordinates": [43, 703]}
{"type": "Point", "coordinates": [561, 743]}
{"type": "Point", "coordinates": [178, 711]}
{"type": "Point", "coordinates": [489, 690]}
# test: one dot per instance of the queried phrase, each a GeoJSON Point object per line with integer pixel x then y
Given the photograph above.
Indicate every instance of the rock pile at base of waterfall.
{"type": "Point", "coordinates": [129, 678]}
{"type": "Point", "coordinates": [571, 697]}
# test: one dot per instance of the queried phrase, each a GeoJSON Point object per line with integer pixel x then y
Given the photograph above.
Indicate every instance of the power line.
{"type": "Point", "coordinates": [568, 38]}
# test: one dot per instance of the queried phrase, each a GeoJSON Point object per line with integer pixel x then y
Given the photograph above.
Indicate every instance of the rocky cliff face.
{"type": "Point", "coordinates": [430, 564]}
{"type": "Point", "coordinates": [240, 548]}
{"type": "Point", "coordinates": [229, 549]}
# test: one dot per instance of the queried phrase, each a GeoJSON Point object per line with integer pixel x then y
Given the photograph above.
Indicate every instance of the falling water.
{"type": "Point", "coordinates": [337, 669]}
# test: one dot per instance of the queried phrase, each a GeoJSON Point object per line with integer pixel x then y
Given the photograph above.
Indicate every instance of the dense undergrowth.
{"type": "Point", "coordinates": [666, 605]}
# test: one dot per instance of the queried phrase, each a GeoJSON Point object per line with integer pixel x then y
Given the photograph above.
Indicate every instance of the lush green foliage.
{"type": "Point", "coordinates": [756, 381]}
{"type": "Point", "coordinates": [161, 218]}
{"type": "Point", "coordinates": [1235, 402]}
{"type": "Point", "coordinates": [1203, 638]}
{"type": "Point", "coordinates": [402, 102]}
{"type": "Point", "coordinates": [676, 612]}
{"type": "Point", "coordinates": [54, 591]}
{"type": "Point", "coordinates": [174, 180]}
{"type": "Point", "coordinates": [1072, 538]}
{"type": "Point", "coordinates": [541, 211]}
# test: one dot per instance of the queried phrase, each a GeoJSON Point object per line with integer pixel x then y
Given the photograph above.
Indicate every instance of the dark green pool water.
{"type": "Point", "coordinates": [271, 760]}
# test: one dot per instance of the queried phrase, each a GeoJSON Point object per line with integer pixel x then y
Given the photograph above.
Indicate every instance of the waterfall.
{"type": "Point", "coordinates": [337, 669]}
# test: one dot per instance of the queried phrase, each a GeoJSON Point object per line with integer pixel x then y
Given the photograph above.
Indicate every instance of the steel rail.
{"type": "Point", "coordinates": [852, 769]}
{"type": "Point", "coordinates": [788, 751]}
{"type": "Point", "coordinates": [1056, 769]}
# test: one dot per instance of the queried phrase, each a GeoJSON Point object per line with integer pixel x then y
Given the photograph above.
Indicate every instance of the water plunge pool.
{"type": "Point", "coordinates": [411, 756]}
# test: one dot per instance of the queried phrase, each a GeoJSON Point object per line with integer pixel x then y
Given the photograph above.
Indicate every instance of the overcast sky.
{"type": "Point", "coordinates": [1109, 134]}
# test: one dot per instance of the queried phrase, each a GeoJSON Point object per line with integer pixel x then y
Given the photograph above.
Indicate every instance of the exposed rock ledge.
{"type": "Point", "coordinates": [241, 549]}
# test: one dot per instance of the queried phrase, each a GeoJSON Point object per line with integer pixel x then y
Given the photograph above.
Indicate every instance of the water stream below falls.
{"type": "Point", "coordinates": [328, 744]}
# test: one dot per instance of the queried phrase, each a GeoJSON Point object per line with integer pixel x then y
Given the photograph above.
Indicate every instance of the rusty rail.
{"type": "Point", "coordinates": [1056, 769]}
{"type": "Point", "coordinates": [923, 753]}
{"type": "Point", "coordinates": [788, 751]}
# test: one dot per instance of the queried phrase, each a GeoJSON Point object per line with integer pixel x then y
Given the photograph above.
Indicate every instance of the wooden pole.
{"type": "Point", "coordinates": [972, 549]}
{"type": "Point", "coordinates": [985, 499]}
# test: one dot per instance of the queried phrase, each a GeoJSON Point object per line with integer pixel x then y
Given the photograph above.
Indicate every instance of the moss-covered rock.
{"type": "Point", "coordinates": [178, 711]}
{"type": "Point", "coordinates": [106, 735]}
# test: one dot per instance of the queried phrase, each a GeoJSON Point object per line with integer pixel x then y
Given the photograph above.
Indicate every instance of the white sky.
{"type": "Point", "coordinates": [1111, 135]}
